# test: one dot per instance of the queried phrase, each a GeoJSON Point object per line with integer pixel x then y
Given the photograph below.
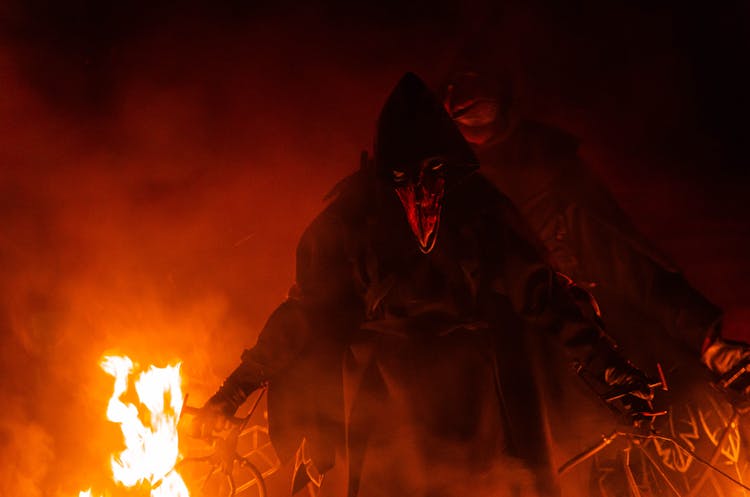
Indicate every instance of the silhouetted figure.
{"type": "Point", "coordinates": [408, 340]}
{"type": "Point", "coordinates": [649, 308]}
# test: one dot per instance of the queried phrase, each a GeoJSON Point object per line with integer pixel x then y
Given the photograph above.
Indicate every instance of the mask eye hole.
{"type": "Point", "coordinates": [399, 176]}
{"type": "Point", "coordinates": [434, 165]}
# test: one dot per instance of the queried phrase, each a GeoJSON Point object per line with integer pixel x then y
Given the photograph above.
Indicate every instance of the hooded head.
{"type": "Point", "coordinates": [421, 154]}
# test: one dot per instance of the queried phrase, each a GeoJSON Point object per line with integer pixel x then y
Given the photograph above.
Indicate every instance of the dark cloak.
{"type": "Point", "coordinates": [363, 287]}
{"type": "Point", "coordinates": [649, 307]}
{"type": "Point", "coordinates": [422, 368]}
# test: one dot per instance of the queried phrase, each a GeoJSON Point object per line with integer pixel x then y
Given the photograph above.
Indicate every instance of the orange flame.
{"type": "Point", "coordinates": [149, 428]}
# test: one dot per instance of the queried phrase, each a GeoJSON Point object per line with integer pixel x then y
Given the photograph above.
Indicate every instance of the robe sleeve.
{"type": "Point", "coordinates": [322, 297]}
{"type": "Point", "coordinates": [621, 261]}
{"type": "Point", "coordinates": [546, 304]}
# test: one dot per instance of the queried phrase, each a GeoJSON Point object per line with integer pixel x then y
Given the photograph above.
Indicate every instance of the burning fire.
{"type": "Point", "coordinates": [149, 427]}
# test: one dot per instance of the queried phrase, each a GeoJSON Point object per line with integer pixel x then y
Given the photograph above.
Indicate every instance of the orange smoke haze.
{"type": "Point", "coordinates": [164, 229]}
{"type": "Point", "coordinates": [163, 225]}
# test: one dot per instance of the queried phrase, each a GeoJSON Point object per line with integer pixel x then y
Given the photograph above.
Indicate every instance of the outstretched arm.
{"type": "Point", "coordinates": [552, 304]}
{"type": "Point", "coordinates": [322, 295]}
{"type": "Point", "coordinates": [619, 259]}
{"type": "Point", "coordinates": [284, 336]}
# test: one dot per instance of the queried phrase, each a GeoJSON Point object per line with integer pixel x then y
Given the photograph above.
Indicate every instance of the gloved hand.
{"type": "Point", "coordinates": [217, 412]}
{"type": "Point", "coordinates": [723, 356]}
{"type": "Point", "coordinates": [219, 409]}
{"type": "Point", "coordinates": [633, 389]}
{"type": "Point", "coordinates": [214, 416]}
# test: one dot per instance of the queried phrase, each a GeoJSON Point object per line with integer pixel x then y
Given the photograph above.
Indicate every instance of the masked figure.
{"type": "Point", "coordinates": [650, 309]}
{"type": "Point", "coordinates": [407, 341]}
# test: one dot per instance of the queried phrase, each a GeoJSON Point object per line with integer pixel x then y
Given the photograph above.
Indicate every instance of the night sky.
{"type": "Point", "coordinates": [159, 160]}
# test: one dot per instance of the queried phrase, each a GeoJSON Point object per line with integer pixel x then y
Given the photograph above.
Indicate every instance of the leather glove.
{"type": "Point", "coordinates": [214, 416]}
{"type": "Point", "coordinates": [634, 390]}
{"type": "Point", "coordinates": [630, 380]}
{"type": "Point", "coordinates": [723, 356]}
{"type": "Point", "coordinates": [217, 412]}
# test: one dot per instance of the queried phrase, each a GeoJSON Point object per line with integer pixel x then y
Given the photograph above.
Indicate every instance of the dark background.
{"type": "Point", "coordinates": [158, 161]}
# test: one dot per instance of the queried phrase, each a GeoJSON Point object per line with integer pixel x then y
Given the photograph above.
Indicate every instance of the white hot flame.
{"type": "Point", "coordinates": [149, 428]}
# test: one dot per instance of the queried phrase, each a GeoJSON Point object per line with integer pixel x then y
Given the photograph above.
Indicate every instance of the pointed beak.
{"type": "Point", "coordinates": [423, 206]}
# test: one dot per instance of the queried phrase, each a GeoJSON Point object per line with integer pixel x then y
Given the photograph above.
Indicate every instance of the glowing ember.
{"type": "Point", "coordinates": [149, 428]}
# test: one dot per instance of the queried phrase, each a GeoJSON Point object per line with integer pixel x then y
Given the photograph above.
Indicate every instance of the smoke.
{"type": "Point", "coordinates": [159, 216]}
{"type": "Point", "coordinates": [153, 188]}
{"type": "Point", "coordinates": [26, 451]}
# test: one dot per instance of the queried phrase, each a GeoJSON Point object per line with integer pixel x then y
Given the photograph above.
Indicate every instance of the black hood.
{"type": "Point", "coordinates": [414, 126]}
